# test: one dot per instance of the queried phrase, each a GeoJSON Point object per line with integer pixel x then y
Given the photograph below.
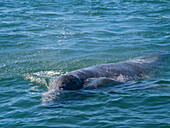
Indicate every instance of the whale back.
{"type": "Point", "coordinates": [147, 63]}
{"type": "Point", "coordinates": [123, 71]}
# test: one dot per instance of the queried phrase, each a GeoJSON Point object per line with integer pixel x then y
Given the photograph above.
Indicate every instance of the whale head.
{"type": "Point", "coordinates": [68, 82]}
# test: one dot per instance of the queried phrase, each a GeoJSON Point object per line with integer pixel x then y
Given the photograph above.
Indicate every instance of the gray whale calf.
{"type": "Point", "coordinates": [129, 70]}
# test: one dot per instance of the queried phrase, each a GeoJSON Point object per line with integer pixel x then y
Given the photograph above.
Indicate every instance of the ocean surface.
{"type": "Point", "coordinates": [42, 39]}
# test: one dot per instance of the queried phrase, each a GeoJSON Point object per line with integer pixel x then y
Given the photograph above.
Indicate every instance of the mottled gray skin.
{"type": "Point", "coordinates": [122, 72]}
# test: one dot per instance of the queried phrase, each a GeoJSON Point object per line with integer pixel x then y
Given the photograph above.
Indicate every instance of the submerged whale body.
{"type": "Point", "coordinates": [130, 70]}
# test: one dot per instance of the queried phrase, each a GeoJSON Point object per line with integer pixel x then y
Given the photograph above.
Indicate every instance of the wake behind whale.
{"type": "Point", "coordinates": [101, 76]}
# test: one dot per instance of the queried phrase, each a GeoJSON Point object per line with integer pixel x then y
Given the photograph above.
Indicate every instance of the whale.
{"type": "Point", "coordinates": [130, 70]}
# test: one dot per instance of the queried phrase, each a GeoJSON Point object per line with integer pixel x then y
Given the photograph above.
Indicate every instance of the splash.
{"type": "Point", "coordinates": [46, 78]}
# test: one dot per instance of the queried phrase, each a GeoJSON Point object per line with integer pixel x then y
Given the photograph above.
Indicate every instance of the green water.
{"type": "Point", "coordinates": [42, 39]}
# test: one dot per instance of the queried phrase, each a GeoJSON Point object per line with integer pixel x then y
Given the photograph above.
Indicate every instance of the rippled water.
{"type": "Point", "coordinates": [41, 39]}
